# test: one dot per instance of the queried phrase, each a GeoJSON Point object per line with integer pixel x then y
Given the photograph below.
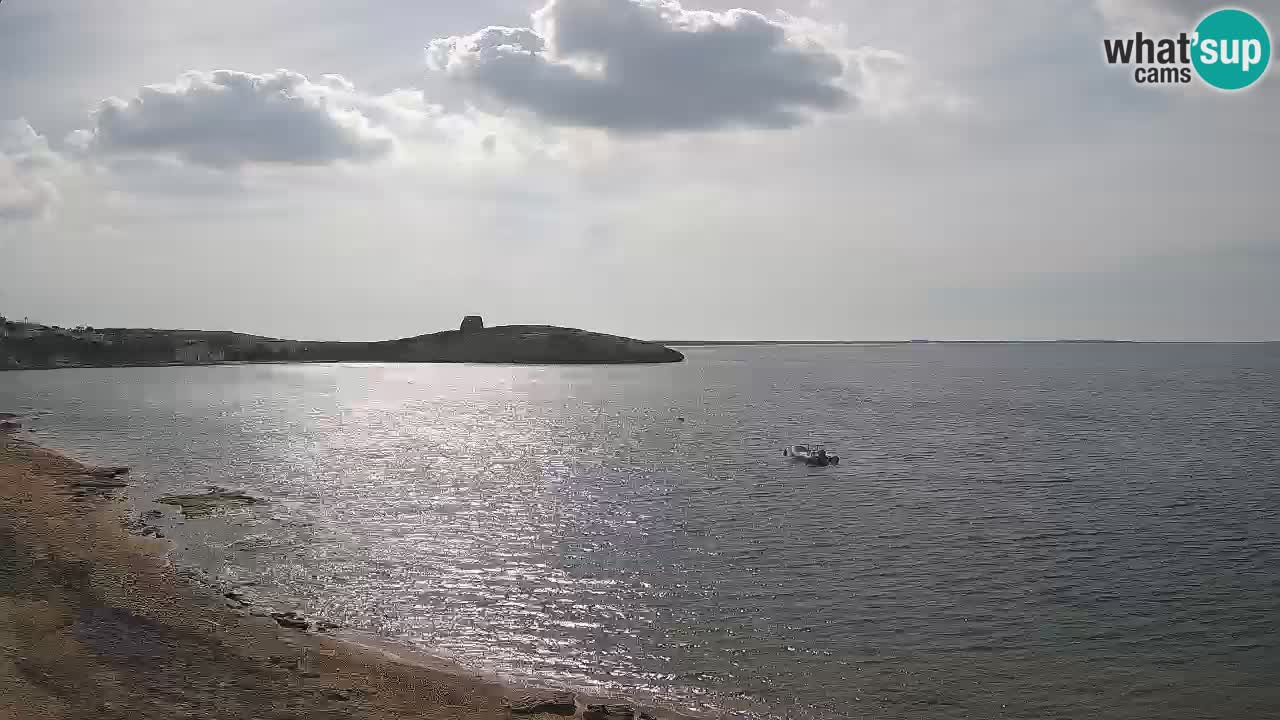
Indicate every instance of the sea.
{"type": "Point", "coordinates": [1057, 530]}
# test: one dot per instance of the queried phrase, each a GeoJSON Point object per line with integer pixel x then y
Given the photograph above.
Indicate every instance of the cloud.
{"type": "Point", "coordinates": [890, 85]}
{"type": "Point", "coordinates": [651, 66]}
{"type": "Point", "coordinates": [228, 118]}
{"type": "Point", "coordinates": [1152, 17]}
{"type": "Point", "coordinates": [23, 197]}
{"type": "Point", "coordinates": [26, 166]}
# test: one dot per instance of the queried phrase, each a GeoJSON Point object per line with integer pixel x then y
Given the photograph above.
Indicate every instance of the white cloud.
{"type": "Point", "coordinates": [890, 85]}
{"type": "Point", "coordinates": [23, 197]}
{"type": "Point", "coordinates": [1153, 17]}
{"type": "Point", "coordinates": [228, 118]}
{"type": "Point", "coordinates": [647, 66]}
{"type": "Point", "coordinates": [26, 168]}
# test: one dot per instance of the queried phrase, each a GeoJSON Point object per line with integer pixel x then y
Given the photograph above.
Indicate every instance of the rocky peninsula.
{"type": "Point", "coordinates": [26, 345]}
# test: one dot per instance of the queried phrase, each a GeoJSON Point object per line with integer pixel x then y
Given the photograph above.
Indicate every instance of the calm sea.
{"type": "Point", "coordinates": [1020, 531]}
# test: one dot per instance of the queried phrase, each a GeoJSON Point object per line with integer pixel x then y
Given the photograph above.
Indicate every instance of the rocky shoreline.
{"type": "Point", "coordinates": [96, 623]}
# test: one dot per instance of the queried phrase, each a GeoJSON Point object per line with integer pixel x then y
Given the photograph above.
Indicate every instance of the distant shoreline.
{"type": "Point", "coordinates": [237, 363]}
{"type": "Point", "coordinates": [31, 346]}
{"type": "Point", "coordinates": [886, 343]}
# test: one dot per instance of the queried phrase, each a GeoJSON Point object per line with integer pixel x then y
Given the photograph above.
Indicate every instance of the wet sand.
{"type": "Point", "coordinates": [94, 623]}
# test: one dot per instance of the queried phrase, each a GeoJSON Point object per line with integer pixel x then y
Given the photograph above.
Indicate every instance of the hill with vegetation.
{"type": "Point", "coordinates": [26, 345]}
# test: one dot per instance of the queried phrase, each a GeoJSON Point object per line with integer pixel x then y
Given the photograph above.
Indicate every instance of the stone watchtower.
{"type": "Point", "coordinates": [472, 322]}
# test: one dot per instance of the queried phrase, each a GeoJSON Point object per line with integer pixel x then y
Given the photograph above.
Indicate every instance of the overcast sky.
{"type": "Point", "coordinates": [362, 169]}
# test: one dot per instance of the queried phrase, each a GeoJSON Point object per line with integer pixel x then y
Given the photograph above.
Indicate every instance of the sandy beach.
{"type": "Point", "coordinates": [94, 623]}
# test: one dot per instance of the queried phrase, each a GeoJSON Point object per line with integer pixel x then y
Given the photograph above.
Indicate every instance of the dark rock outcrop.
{"type": "Point", "coordinates": [471, 323]}
{"type": "Point", "coordinates": [614, 711]}
{"type": "Point", "coordinates": [544, 701]}
{"type": "Point", "coordinates": [291, 620]}
{"type": "Point", "coordinates": [94, 482]}
{"type": "Point", "coordinates": [206, 503]}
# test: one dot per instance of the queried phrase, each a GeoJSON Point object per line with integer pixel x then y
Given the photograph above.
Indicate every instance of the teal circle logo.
{"type": "Point", "coordinates": [1232, 49]}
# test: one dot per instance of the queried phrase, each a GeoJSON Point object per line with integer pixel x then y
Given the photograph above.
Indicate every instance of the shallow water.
{"type": "Point", "coordinates": [1015, 530]}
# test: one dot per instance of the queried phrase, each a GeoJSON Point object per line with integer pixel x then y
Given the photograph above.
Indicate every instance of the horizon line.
{"type": "Point", "coordinates": [1061, 341]}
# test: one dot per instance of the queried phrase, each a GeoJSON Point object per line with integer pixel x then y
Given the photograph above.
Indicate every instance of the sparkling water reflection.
{"type": "Point", "coordinates": [1016, 531]}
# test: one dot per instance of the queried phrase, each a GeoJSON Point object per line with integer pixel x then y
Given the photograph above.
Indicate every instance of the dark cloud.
{"type": "Point", "coordinates": [645, 66]}
{"type": "Point", "coordinates": [227, 118]}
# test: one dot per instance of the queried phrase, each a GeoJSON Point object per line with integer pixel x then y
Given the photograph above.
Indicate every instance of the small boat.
{"type": "Point", "coordinates": [816, 456]}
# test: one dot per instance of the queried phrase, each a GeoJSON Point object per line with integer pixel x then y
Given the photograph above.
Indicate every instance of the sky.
{"type": "Point", "coordinates": [781, 169]}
